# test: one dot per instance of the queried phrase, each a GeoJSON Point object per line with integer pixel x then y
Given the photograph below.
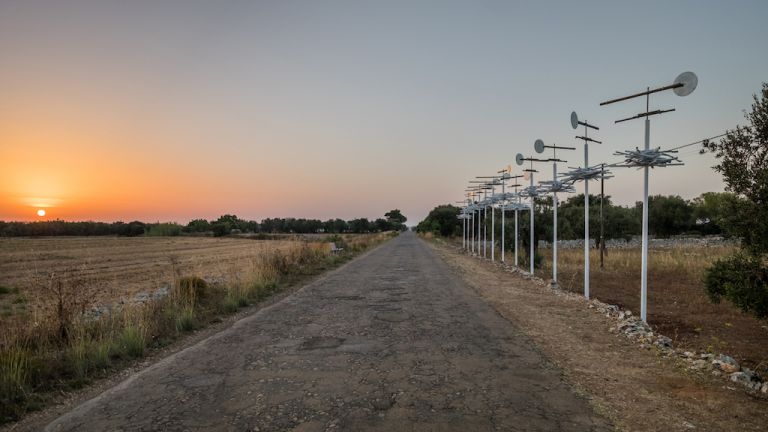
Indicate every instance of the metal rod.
{"type": "Point", "coordinates": [586, 222]}
{"type": "Point", "coordinates": [585, 124]}
{"type": "Point", "coordinates": [586, 138]}
{"type": "Point", "coordinates": [645, 114]}
{"type": "Point", "coordinates": [644, 262]}
{"type": "Point", "coordinates": [503, 210]}
{"type": "Point", "coordinates": [645, 93]}
{"type": "Point", "coordinates": [602, 196]}
{"type": "Point", "coordinates": [554, 227]}
{"type": "Point", "coordinates": [493, 227]}
{"type": "Point", "coordinates": [533, 205]}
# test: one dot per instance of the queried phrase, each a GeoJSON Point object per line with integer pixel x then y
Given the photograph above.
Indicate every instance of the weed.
{"type": "Point", "coordinates": [186, 320]}
{"type": "Point", "coordinates": [132, 341]}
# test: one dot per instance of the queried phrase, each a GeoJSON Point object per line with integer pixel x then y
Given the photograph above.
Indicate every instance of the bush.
{"type": "Point", "coordinates": [164, 230]}
{"type": "Point", "coordinates": [132, 341]}
{"type": "Point", "coordinates": [189, 290]}
{"type": "Point", "coordinates": [186, 320]}
{"type": "Point", "coordinates": [742, 279]}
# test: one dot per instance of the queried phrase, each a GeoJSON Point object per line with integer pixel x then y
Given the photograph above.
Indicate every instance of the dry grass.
{"type": "Point", "coordinates": [677, 303]}
{"type": "Point", "coordinates": [53, 344]}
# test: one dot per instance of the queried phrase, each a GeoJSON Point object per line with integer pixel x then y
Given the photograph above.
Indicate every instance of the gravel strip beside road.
{"type": "Point", "coordinates": [638, 389]}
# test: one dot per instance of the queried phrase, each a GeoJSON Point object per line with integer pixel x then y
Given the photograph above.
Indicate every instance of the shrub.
{"type": "Point", "coordinates": [186, 320]}
{"type": "Point", "coordinates": [15, 371]}
{"type": "Point", "coordinates": [742, 279]}
{"type": "Point", "coordinates": [132, 341]}
{"type": "Point", "coordinates": [163, 230]}
{"type": "Point", "coordinates": [189, 290]}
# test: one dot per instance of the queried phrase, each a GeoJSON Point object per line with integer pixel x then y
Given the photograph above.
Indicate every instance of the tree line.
{"type": "Point", "coordinates": [224, 225]}
{"type": "Point", "coordinates": [668, 216]}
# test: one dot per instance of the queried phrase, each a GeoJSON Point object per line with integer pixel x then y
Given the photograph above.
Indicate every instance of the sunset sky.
{"type": "Point", "coordinates": [174, 110]}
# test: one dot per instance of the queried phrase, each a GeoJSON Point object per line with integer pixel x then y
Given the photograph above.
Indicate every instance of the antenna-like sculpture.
{"type": "Point", "coordinates": [684, 84]}
{"type": "Point", "coordinates": [585, 174]}
{"type": "Point", "coordinates": [553, 187]}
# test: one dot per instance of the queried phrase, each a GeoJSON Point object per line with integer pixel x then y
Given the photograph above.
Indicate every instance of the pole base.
{"type": "Point", "coordinates": [554, 285]}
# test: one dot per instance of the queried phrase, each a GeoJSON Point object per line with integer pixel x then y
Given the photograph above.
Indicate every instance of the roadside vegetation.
{"type": "Point", "coordinates": [63, 347]}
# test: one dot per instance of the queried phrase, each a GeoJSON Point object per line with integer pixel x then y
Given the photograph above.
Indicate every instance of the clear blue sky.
{"type": "Point", "coordinates": [347, 108]}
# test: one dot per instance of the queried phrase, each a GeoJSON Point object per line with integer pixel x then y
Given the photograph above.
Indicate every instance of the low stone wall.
{"type": "Point", "coordinates": [656, 243]}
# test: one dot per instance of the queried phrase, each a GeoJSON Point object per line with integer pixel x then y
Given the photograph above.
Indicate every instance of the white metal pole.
{"type": "Point", "coordinates": [464, 231]}
{"type": "Point", "coordinates": [479, 213]}
{"type": "Point", "coordinates": [644, 265]}
{"type": "Point", "coordinates": [533, 205]}
{"type": "Point", "coordinates": [472, 232]}
{"type": "Point", "coordinates": [554, 226]}
{"type": "Point", "coordinates": [485, 225]}
{"type": "Point", "coordinates": [503, 210]}
{"type": "Point", "coordinates": [516, 241]}
{"type": "Point", "coordinates": [586, 219]}
{"type": "Point", "coordinates": [493, 226]}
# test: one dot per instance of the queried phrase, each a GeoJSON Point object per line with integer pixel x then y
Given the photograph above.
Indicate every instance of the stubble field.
{"type": "Point", "coordinates": [111, 269]}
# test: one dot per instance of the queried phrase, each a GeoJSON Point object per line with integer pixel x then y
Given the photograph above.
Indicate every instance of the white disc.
{"type": "Point", "coordinates": [574, 120]}
{"type": "Point", "coordinates": [689, 81]}
{"type": "Point", "coordinates": [519, 159]}
{"type": "Point", "coordinates": [539, 146]}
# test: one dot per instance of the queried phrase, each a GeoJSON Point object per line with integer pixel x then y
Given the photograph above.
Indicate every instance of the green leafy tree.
{"type": "Point", "coordinates": [396, 219]}
{"type": "Point", "coordinates": [743, 162]}
{"type": "Point", "coordinates": [442, 220]}
{"type": "Point", "coordinates": [668, 215]}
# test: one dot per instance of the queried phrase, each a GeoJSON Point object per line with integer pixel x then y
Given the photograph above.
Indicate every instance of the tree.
{"type": "Point", "coordinates": [396, 219]}
{"type": "Point", "coordinates": [710, 211]}
{"type": "Point", "coordinates": [743, 161]}
{"type": "Point", "coordinates": [668, 215]}
{"type": "Point", "coordinates": [442, 220]}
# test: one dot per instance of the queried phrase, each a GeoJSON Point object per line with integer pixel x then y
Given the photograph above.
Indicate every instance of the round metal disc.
{"type": "Point", "coordinates": [689, 81]}
{"type": "Point", "coordinates": [574, 120]}
{"type": "Point", "coordinates": [539, 146]}
{"type": "Point", "coordinates": [519, 159]}
{"type": "Point", "coordinates": [526, 175]}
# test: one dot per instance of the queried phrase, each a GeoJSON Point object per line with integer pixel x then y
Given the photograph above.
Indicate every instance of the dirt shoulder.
{"type": "Point", "coordinates": [638, 389]}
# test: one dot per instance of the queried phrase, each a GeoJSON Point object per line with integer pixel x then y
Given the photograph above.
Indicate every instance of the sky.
{"type": "Point", "coordinates": [174, 110]}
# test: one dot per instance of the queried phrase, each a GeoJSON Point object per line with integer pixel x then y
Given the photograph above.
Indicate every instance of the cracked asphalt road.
{"type": "Point", "coordinates": [391, 341]}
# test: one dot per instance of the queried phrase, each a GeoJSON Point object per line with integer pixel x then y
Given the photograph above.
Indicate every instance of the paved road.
{"type": "Point", "coordinates": [390, 342]}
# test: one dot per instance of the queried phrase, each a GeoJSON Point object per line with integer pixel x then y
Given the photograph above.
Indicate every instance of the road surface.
{"type": "Point", "coordinates": [392, 341]}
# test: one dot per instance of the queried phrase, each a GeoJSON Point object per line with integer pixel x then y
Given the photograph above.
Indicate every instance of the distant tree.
{"type": "Point", "coordinates": [198, 226]}
{"type": "Point", "coordinates": [396, 220]}
{"type": "Point", "coordinates": [361, 225]}
{"type": "Point", "coordinates": [710, 211]}
{"type": "Point", "coordinates": [668, 215]}
{"type": "Point", "coordinates": [743, 161]}
{"type": "Point", "coordinates": [442, 220]}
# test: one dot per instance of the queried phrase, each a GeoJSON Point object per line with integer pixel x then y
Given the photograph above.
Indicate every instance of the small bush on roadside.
{"type": "Point", "coordinates": [742, 279]}
{"type": "Point", "coordinates": [189, 290]}
{"type": "Point", "coordinates": [186, 320]}
{"type": "Point", "coordinates": [132, 341]}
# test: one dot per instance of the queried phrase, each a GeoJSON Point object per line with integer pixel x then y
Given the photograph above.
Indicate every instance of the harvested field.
{"type": "Point", "coordinates": [678, 306]}
{"type": "Point", "coordinates": [115, 268]}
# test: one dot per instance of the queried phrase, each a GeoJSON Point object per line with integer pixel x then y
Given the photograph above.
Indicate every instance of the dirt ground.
{"type": "Point", "coordinates": [637, 389]}
{"type": "Point", "coordinates": [114, 268]}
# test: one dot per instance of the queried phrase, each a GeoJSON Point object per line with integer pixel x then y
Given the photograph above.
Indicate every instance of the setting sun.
{"type": "Point", "coordinates": [41, 212]}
